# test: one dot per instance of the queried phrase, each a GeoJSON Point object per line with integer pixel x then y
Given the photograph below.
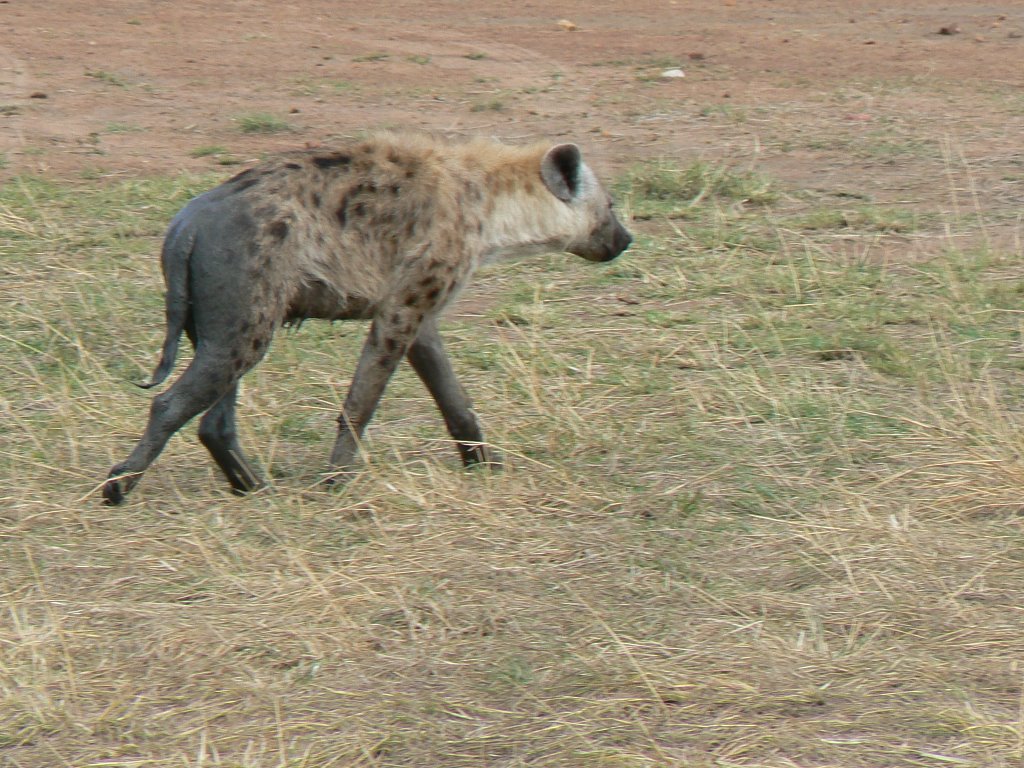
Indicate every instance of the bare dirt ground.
{"type": "Point", "coordinates": [123, 88]}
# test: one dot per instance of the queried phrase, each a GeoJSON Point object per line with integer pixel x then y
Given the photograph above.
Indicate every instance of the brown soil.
{"type": "Point", "coordinates": [832, 95]}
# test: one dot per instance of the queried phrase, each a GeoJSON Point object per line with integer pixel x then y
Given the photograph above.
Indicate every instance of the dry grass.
{"type": "Point", "coordinates": [762, 509]}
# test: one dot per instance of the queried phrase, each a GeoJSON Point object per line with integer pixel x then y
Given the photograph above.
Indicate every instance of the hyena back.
{"type": "Point", "coordinates": [387, 229]}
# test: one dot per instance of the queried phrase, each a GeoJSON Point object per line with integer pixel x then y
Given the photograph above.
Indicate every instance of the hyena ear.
{"type": "Point", "coordinates": [560, 170]}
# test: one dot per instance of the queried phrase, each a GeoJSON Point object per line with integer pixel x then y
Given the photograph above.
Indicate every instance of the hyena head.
{"type": "Point", "coordinates": [601, 237]}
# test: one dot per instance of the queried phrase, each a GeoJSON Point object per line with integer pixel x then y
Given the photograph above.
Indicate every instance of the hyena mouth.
{"type": "Point", "coordinates": [621, 240]}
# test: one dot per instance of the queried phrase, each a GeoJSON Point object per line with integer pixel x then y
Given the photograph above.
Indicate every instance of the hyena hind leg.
{"type": "Point", "coordinates": [202, 384]}
{"type": "Point", "coordinates": [218, 432]}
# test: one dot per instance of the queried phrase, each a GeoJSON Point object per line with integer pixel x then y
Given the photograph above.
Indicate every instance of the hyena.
{"type": "Point", "coordinates": [386, 229]}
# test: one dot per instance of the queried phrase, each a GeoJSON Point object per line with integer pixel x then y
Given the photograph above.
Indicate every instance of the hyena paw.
{"type": "Point", "coordinates": [117, 486]}
{"type": "Point", "coordinates": [113, 494]}
{"type": "Point", "coordinates": [337, 478]}
{"type": "Point", "coordinates": [480, 455]}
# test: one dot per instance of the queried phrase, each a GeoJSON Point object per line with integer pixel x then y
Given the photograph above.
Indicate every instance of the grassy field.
{"type": "Point", "coordinates": [762, 505]}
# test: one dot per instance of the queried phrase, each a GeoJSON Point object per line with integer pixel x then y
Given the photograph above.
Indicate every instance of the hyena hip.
{"type": "Point", "coordinates": [386, 229]}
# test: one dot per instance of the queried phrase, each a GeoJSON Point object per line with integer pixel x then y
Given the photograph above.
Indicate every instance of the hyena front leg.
{"type": "Point", "coordinates": [391, 334]}
{"type": "Point", "coordinates": [431, 363]}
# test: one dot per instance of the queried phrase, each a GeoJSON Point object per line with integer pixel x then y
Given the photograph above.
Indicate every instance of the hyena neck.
{"type": "Point", "coordinates": [523, 218]}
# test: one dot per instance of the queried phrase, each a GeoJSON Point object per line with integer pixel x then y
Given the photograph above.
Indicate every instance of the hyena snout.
{"type": "Point", "coordinates": [605, 243]}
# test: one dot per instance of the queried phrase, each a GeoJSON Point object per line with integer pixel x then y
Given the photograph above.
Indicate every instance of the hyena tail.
{"type": "Point", "coordinates": [175, 258]}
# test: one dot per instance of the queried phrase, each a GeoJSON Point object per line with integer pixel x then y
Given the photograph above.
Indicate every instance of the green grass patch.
{"type": "Point", "coordinates": [664, 187]}
{"type": "Point", "coordinates": [208, 151]}
{"type": "Point", "coordinates": [262, 122]}
{"type": "Point", "coordinates": [110, 78]}
{"type": "Point", "coordinates": [123, 128]}
{"type": "Point", "coordinates": [488, 105]}
{"type": "Point", "coordinates": [377, 56]}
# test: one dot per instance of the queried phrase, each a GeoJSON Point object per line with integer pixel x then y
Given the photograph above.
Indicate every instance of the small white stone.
{"type": "Point", "coordinates": [673, 73]}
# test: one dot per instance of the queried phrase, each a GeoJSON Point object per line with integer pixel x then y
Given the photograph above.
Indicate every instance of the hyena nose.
{"type": "Point", "coordinates": [621, 240]}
